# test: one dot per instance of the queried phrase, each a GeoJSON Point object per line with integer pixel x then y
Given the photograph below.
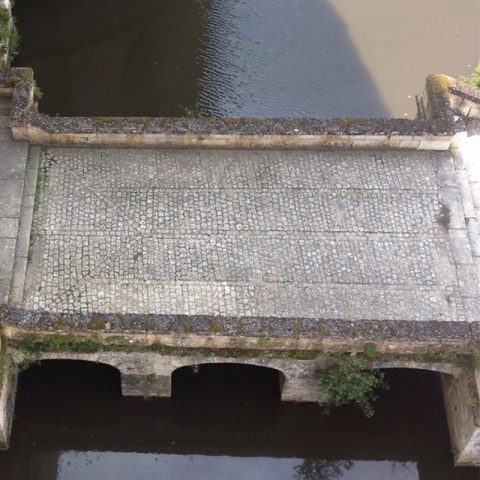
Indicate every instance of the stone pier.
{"type": "Point", "coordinates": [8, 386]}
{"type": "Point", "coordinates": [463, 413]}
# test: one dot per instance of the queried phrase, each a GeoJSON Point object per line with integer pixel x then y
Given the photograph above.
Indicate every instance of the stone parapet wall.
{"type": "Point", "coordinates": [434, 133]}
{"type": "Point", "coordinates": [464, 99]}
{"type": "Point", "coordinates": [247, 332]}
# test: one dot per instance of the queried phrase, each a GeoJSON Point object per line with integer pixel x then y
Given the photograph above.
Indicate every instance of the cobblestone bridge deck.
{"type": "Point", "coordinates": [352, 236]}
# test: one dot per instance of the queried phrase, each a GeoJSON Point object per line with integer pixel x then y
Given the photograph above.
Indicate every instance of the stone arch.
{"type": "Point", "coordinates": [45, 360]}
{"type": "Point", "coordinates": [240, 371]}
{"type": "Point", "coordinates": [81, 364]}
{"type": "Point", "coordinates": [437, 367]}
{"type": "Point", "coordinates": [461, 397]}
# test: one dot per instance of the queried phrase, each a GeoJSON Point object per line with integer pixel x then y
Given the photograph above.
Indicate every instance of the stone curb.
{"type": "Point", "coordinates": [24, 229]}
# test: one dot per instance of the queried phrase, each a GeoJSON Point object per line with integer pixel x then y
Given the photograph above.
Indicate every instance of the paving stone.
{"type": "Point", "coordinates": [10, 198]}
{"type": "Point", "coordinates": [461, 247]}
{"type": "Point", "coordinates": [466, 194]}
{"type": "Point", "coordinates": [18, 281]}
{"type": "Point", "coordinates": [12, 159]}
{"type": "Point", "coordinates": [8, 227]}
{"type": "Point", "coordinates": [30, 181]}
{"type": "Point", "coordinates": [473, 229]}
{"type": "Point", "coordinates": [445, 171]}
{"type": "Point", "coordinates": [472, 309]}
{"type": "Point", "coordinates": [4, 290]}
{"type": "Point", "coordinates": [11, 188]}
{"type": "Point", "coordinates": [453, 216]}
{"type": "Point", "coordinates": [7, 254]}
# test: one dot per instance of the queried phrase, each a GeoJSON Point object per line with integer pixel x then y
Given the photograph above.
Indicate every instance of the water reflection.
{"type": "Point", "coordinates": [269, 58]}
{"type": "Point", "coordinates": [400, 42]}
{"type": "Point", "coordinates": [323, 469]}
{"type": "Point", "coordinates": [74, 465]}
{"type": "Point", "coordinates": [281, 58]}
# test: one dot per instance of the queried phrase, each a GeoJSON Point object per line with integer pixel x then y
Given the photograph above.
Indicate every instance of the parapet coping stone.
{"type": "Point", "coordinates": [28, 124]}
{"type": "Point", "coordinates": [269, 327]}
{"type": "Point", "coordinates": [465, 90]}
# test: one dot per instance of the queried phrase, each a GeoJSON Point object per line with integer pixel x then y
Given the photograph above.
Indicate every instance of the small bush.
{"type": "Point", "coordinates": [193, 112]}
{"type": "Point", "coordinates": [348, 379]}
{"type": "Point", "coordinates": [8, 33]}
{"type": "Point", "coordinates": [475, 79]}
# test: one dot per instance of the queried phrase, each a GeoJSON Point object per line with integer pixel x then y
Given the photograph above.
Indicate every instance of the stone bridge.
{"type": "Point", "coordinates": [150, 260]}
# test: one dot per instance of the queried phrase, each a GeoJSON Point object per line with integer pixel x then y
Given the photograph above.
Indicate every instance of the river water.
{"type": "Point", "coordinates": [268, 58]}
{"type": "Point", "coordinates": [223, 423]}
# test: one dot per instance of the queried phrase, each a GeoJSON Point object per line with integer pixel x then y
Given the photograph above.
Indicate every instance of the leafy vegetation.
{"type": "Point", "coordinates": [193, 112]}
{"type": "Point", "coordinates": [9, 37]}
{"type": "Point", "coordinates": [475, 78]}
{"type": "Point", "coordinates": [349, 379]}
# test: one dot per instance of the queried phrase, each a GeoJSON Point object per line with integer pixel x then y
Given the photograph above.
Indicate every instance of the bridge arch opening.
{"type": "Point", "coordinates": [251, 382]}
{"type": "Point", "coordinates": [243, 396]}
{"type": "Point", "coordinates": [417, 393]}
{"type": "Point", "coordinates": [54, 380]}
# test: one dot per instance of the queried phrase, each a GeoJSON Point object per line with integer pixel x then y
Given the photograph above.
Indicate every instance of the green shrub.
{"type": "Point", "coordinates": [8, 33]}
{"type": "Point", "coordinates": [193, 112]}
{"type": "Point", "coordinates": [475, 79]}
{"type": "Point", "coordinates": [348, 379]}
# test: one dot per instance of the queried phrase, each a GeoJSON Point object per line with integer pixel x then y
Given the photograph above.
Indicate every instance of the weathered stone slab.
{"type": "Point", "coordinates": [7, 254]}
{"type": "Point", "coordinates": [12, 157]}
{"type": "Point", "coordinates": [8, 227]}
{"type": "Point", "coordinates": [463, 413]}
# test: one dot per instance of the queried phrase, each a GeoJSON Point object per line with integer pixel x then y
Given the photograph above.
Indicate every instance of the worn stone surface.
{"type": "Point", "coordinates": [13, 157]}
{"type": "Point", "coordinates": [283, 234]}
{"type": "Point", "coordinates": [461, 396]}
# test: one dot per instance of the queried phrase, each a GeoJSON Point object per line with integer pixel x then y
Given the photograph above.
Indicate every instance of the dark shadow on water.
{"type": "Point", "coordinates": [269, 58]}
{"type": "Point", "coordinates": [72, 423]}
{"type": "Point", "coordinates": [243, 396]}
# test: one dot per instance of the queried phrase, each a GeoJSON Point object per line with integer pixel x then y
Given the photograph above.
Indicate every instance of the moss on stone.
{"type": "Point", "coordinates": [34, 343]}
{"type": "Point", "coordinates": [97, 322]}
{"type": "Point", "coordinates": [116, 339]}
{"type": "Point", "coordinates": [216, 327]}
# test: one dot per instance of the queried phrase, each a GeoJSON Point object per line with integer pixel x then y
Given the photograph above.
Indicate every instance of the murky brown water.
{"type": "Point", "coordinates": [72, 424]}
{"type": "Point", "coordinates": [270, 58]}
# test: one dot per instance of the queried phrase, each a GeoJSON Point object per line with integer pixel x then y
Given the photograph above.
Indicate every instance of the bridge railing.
{"type": "Point", "coordinates": [432, 133]}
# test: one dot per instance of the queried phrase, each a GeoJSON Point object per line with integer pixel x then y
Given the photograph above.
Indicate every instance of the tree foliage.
{"type": "Point", "coordinates": [348, 379]}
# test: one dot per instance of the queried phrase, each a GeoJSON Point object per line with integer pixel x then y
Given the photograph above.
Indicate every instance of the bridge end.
{"type": "Point", "coordinates": [461, 397]}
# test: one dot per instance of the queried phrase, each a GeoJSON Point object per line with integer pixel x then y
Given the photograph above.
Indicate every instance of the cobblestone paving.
{"type": "Point", "coordinates": [361, 235]}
